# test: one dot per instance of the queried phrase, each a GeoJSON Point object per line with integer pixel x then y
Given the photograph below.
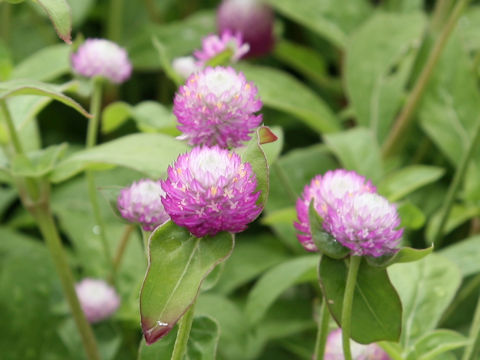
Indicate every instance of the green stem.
{"type": "Point", "coordinates": [347, 304]}
{"type": "Point", "coordinates": [122, 246]}
{"type": "Point", "coordinates": [145, 236]}
{"type": "Point", "coordinates": [49, 232]}
{"type": "Point", "coordinates": [12, 132]}
{"type": "Point", "coordinates": [440, 13]}
{"type": "Point", "coordinates": [402, 122]}
{"type": "Point", "coordinates": [455, 185]}
{"type": "Point", "coordinates": [282, 177]}
{"type": "Point", "coordinates": [474, 335]}
{"type": "Point", "coordinates": [466, 291]}
{"type": "Point", "coordinates": [323, 321]}
{"type": "Point", "coordinates": [95, 109]}
{"type": "Point", "coordinates": [114, 21]}
{"type": "Point", "coordinates": [5, 22]}
{"type": "Point", "coordinates": [183, 334]}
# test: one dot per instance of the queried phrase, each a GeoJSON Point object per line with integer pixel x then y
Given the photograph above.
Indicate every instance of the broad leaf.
{"type": "Point", "coordinates": [426, 287]}
{"type": "Point", "coordinates": [39, 163]}
{"type": "Point", "coordinates": [376, 310]}
{"type": "Point", "coordinates": [465, 255]}
{"type": "Point", "coordinates": [281, 91]}
{"type": "Point", "coordinates": [431, 345]}
{"type": "Point", "coordinates": [178, 264]}
{"type": "Point", "coordinates": [60, 14]}
{"type": "Point", "coordinates": [403, 255]}
{"type": "Point", "coordinates": [379, 59]}
{"type": "Point", "coordinates": [411, 216]}
{"type": "Point", "coordinates": [147, 153]}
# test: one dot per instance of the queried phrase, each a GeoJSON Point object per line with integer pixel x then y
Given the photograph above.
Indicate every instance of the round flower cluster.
{"type": "Point", "coordinates": [212, 45]}
{"type": "Point", "coordinates": [353, 213]}
{"type": "Point", "coordinates": [334, 350]}
{"type": "Point", "coordinates": [253, 19]}
{"type": "Point", "coordinates": [209, 190]}
{"type": "Point", "coordinates": [217, 107]}
{"type": "Point", "coordinates": [97, 299]}
{"type": "Point", "coordinates": [141, 203]}
{"type": "Point", "coordinates": [100, 57]}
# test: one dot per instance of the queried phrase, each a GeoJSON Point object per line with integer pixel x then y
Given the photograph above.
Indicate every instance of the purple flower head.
{"type": "Point", "coordinates": [334, 349]}
{"type": "Point", "coordinates": [100, 57]}
{"type": "Point", "coordinates": [209, 190]}
{"type": "Point", "coordinates": [212, 45]}
{"type": "Point", "coordinates": [97, 299]}
{"type": "Point", "coordinates": [365, 223]}
{"type": "Point", "coordinates": [326, 192]}
{"type": "Point", "coordinates": [141, 203]}
{"type": "Point", "coordinates": [253, 19]}
{"type": "Point", "coordinates": [217, 107]}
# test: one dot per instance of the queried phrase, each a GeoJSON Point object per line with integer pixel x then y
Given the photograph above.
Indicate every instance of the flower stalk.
{"type": "Point", "coordinates": [183, 334]}
{"type": "Point", "coordinates": [323, 321]}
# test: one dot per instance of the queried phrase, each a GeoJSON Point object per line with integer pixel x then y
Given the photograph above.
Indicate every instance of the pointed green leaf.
{"type": "Point", "coordinates": [404, 255]}
{"type": "Point", "coordinates": [376, 310]}
{"type": "Point", "coordinates": [38, 163]}
{"type": "Point", "coordinates": [431, 345]}
{"type": "Point", "coordinates": [411, 216]}
{"type": "Point", "coordinates": [60, 14]}
{"type": "Point", "coordinates": [178, 264]}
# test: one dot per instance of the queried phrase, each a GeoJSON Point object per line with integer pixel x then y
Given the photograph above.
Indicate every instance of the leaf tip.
{"type": "Point", "coordinates": [266, 135]}
{"type": "Point", "coordinates": [153, 331]}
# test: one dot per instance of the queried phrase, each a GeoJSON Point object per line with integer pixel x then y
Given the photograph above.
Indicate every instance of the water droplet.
{"type": "Point", "coordinates": [96, 230]}
{"type": "Point", "coordinates": [159, 323]}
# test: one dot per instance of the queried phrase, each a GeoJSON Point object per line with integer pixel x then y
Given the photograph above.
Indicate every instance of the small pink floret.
{"type": "Point", "coordinates": [334, 349]}
{"type": "Point", "coordinates": [217, 106]}
{"type": "Point", "coordinates": [213, 45]}
{"type": "Point", "coordinates": [97, 299]}
{"type": "Point", "coordinates": [100, 57]}
{"type": "Point", "coordinates": [210, 190]}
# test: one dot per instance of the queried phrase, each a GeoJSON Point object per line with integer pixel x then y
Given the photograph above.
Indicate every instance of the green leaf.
{"type": "Point", "coordinates": [411, 216]}
{"type": "Point", "coordinates": [6, 62]}
{"type": "Point", "coordinates": [166, 62]}
{"type": "Point", "coordinates": [408, 179]}
{"type": "Point", "coordinates": [376, 310]}
{"type": "Point", "coordinates": [273, 147]}
{"type": "Point", "coordinates": [254, 155]}
{"type": "Point", "coordinates": [325, 243]}
{"type": "Point", "coordinates": [46, 64]}
{"type": "Point", "coordinates": [274, 282]}
{"type": "Point", "coordinates": [379, 58]}
{"type": "Point", "coordinates": [431, 345]}
{"type": "Point", "coordinates": [59, 13]}
{"type": "Point", "coordinates": [465, 255]}
{"type": "Point", "coordinates": [281, 91]}
{"type": "Point", "coordinates": [202, 343]}
{"type": "Point", "coordinates": [39, 163]}
{"type": "Point", "coordinates": [24, 87]}
{"type": "Point", "coordinates": [115, 115]}
{"type": "Point", "coordinates": [426, 288]}
{"type": "Point", "coordinates": [150, 154]}
{"type": "Point", "coordinates": [404, 255]}
{"type": "Point", "coordinates": [178, 264]}
{"type": "Point", "coordinates": [357, 150]}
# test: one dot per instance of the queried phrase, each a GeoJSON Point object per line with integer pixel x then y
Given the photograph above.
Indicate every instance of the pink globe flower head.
{"type": "Point", "coordinates": [334, 349]}
{"type": "Point", "coordinates": [101, 57]}
{"type": "Point", "coordinates": [141, 203]}
{"type": "Point", "coordinates": [217, 107]}
{"type": "Point", "coordinates": [97, 299]}
{"type": "Point", "coordinates": [209, 190]}
{"type": "Point", "coordinates": [212, 45]}
{"type": "Point", "coordinates": [253, 19]}
{"type": "Point", "coordinates": [365, 223]}
{"type": "Point", "coordinates": [326, 191]}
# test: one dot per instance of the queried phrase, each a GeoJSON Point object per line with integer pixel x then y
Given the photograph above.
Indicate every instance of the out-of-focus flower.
{"type": "Point", "coordinates": [185, 66]}
{"type": "Point", "coordinates": [326, 192]}
{"type": "Point", "coordinates": [209, 190]}
{"type": "Point", "coordinates": [141, 203]}
{"type": "Point", "coordinates": [100, 57]}
{"type": "Point", "coordinates": [365, 223]}
{"type": "Point", "coordinates": [213, 45]}
{"type": "Point", "coordinates": [217, 107]}
{"type": "Point", "coordinates": [97, 299]}
{"type": "Point", "coordinates": [253, 19]}
{"type": "Point", "coordinates": [334, 349]}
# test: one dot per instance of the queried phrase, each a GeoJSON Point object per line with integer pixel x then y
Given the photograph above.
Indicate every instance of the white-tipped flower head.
{"type": "Point", "coordinates": [185, 66]}
{"type": "Point", "coordinates": [100, 57]}
{"type": "Point", "coordinates": [217, 107]}
{"type": "Point", "coordinates": [334, 349]}
{"type": "Point", "coordinates": [213, 45]}
{"type": "Point", "coordinates": [97, 299]}
{"type": "Point", "coordinates": [141, 203]}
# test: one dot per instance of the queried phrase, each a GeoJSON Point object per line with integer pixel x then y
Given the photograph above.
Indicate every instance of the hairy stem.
{"type": "Point", "coordinates": [122, 246]}
{"type": "Point", "coordinates": [402, 122]}
{"type": "Point", "coordinates": [183, 334]}
{"type": "Point", "coordinates": [347, 304]}
{"type": "Point", "coordinates": [323, 320]}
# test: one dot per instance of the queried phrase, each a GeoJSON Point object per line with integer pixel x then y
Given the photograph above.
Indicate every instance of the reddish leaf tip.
{"type": "Point", "coordinates": [153, 331]}
{"type": "Point", "coordinates": [266, 135]}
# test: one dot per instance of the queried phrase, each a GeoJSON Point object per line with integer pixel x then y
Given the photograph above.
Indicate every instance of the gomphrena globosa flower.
{"type": "Point", "coordinates": [141, 203]}
{"type": "Point", "coordinates": [365, 223]}
{"type": "Point", "coordinates": [326, 191]}
{"type": "Point", "coordinates": [334, 350]}
{"type": "Point", "coordinates": [253, 19]}
{"type": "Point", "coordinates": [97, 299]}
{"type": "Point", "coordinates": [209, 190]}
{"type": "Point", "coordinates": [212, 45]}
{"type": "Point", "coordinates": [217, 107]}
{"type": "Point", "coordinates": [100, 57]}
